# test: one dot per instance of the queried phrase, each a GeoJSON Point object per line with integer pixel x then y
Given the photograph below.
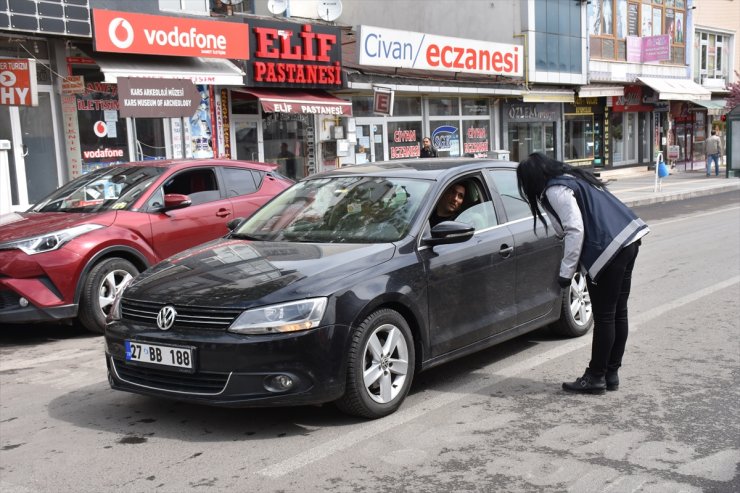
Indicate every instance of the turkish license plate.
{"type": "Point", "coordinates": [178, 357]}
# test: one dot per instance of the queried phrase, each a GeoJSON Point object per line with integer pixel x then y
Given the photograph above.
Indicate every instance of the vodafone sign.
{"type": "Point", "coordinates": [127, 32]}
{"type": "Point", "coordinates": [402, 49]}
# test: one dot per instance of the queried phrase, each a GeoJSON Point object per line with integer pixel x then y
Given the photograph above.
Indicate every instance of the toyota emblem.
{"type": "Point", "coordinates": [166, 317]}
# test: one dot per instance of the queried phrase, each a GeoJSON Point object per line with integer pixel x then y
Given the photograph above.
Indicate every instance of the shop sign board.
{"type": "Point", "coordinates": [73, 84]}
{"type": "Point", "coordinates": [18, 82]}
{"type": "Point", "coordinates": [632, 100]}
{"type": "Point", "coordinates": [143, 97]}
{"type": "Point", "coordinates": [421, 51]}
{"type": "Point", "coordinates": [289, 55]}
{"type": "Point", "coordinates": [129, 32]}
{"type": "Point", "coordinates": [648, 48]}
{"type": "Point", "coordinates": [383, 101]}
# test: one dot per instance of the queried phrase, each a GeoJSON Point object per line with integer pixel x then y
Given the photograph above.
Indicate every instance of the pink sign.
{"type": "Point", "coordinates": [634, 49]}
{"type": "Point", "coordinates": [656, 48]}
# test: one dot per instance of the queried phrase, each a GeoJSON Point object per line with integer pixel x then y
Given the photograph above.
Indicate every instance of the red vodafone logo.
{"type": "Point", "coordinates": [100, 128]}
{"type": "Point", "coordinates": [121, 33]}
{"type": "Point", "coordinates": [128, 32]}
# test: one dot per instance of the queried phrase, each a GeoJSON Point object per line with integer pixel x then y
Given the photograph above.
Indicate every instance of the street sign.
{"type": "Point", "coordinates": [141, 97]}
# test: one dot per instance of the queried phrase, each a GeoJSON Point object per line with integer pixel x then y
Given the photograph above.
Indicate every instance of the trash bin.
{"type": "Point", "coordinates": [500, 154]}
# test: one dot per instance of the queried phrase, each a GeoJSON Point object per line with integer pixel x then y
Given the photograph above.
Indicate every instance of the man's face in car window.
{"type": "Point", "coordinates": [451, 200]}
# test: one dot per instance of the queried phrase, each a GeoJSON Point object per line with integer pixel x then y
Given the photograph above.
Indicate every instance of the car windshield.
{"type": "Point", "coordinates": [347, 209]}
{"type": "Point", "coordinates": [112, 188]}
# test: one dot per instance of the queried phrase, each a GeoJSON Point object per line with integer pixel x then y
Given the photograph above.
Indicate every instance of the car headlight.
{"type": "Point", "coordinates": [115, 309]}
{"type": "Point", "coordinates": [285, 317]}
{"type": "Point", "coordinates": [49, 241]}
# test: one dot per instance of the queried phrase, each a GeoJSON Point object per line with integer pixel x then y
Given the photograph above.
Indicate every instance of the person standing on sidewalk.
{"type": "Point", "coordinates": [601, 236]}
{"type": "Point", "coordinates": [714, 152]}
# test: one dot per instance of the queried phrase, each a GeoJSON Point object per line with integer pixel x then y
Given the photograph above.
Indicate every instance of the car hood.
{"type": "Point", "coordinates": [238, 273]}
{"type": "Point", "coordinates": [20, 225]}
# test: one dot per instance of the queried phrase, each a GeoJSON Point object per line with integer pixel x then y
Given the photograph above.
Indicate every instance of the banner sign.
{"type": "Point", "coordinates": [290, 55]}
{"type": "Point", "coordinates": [128, 32]}
{"type": "Point", "coordinates": [648, 48]}
{"type": "Point", "coordinates": [18, 82]}
{"type": "Point", "coordinates": [142, 97]}
{"type": "Point", "coordinates": [420, 51]}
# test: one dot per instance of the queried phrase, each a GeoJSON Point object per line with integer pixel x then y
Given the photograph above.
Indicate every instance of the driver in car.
{"type": "Point", "coordinates": [449, 206]}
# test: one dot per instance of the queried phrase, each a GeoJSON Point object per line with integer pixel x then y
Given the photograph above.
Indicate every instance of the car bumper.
{"type": "Point", "coordinates": [11, 311]}
{"type": "Point", "coordinates": [235, 370]}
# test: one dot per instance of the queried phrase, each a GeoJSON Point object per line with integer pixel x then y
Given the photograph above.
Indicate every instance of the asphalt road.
{"type": "Point", "coordinates": [496, 421]}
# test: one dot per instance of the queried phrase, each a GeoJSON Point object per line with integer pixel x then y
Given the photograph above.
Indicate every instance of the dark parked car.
{"type": "Point", "coordinates": [68, 255]}
{"type": "Point", "coordinates": [339, 290]}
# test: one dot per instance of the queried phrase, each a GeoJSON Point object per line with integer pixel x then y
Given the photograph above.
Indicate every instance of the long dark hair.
{"type": "Point", "coordinates": [532, 176]}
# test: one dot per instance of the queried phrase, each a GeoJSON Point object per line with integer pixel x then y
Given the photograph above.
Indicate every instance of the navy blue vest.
{"type": "Point", "coordinates": [608, 224]}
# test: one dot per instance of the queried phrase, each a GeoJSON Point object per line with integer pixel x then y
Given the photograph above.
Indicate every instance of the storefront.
{"type": "Point", "coordinates": [583, 132]}
{"type": "Point", "coordinates": [285, 115]}
{"type": "Point", "coordinates": [531, 127]}
{"type": "Point", "coordinates": [460, 117]}
{"type": "Point", "coordinates": [629, 127]}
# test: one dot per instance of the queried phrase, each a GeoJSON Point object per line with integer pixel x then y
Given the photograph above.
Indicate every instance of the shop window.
{"type": "Point", "coordinates": [476, 136]}
{"type": "Point", "coordinates": [362, 106]}
{"type": "Point", "coordinates": [150, 139]}
{"type": "Point", "coordinates": [406, 106]}
{"type": "Point", "coordinates": [443, 106]}
{"type": "Point", "coordinates": [404, 139]}
{"type": "Point", "coordinates": [579, 137]}
{"type": "Point", "coordinates": [288, 142]}
{"type": "Point", "coordinates": [446, 137]}
{"type": "Point", "coordinates": [241, 106]}
{"type": "Point", "coordinates": [475, 107]}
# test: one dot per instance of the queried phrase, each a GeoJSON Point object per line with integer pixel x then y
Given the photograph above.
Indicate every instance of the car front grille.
{"type": "Point", "coordinates": [173, 381]}
{"type": "Point", "coordinates": [188, 317]}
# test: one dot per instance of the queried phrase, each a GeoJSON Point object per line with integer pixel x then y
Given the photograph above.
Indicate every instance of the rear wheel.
{"type": "Point", "coordinates": [102, 284]}
{"type": "Point", "coordinates": [380, 366]}
{"type": "Point", "coordinates": [576, 315]}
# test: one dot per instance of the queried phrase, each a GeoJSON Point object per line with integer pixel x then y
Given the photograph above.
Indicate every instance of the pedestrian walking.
{"type": "Point", "coordinates": [714, 153]}
{"type": "Point", "coordinates": [601, 237]}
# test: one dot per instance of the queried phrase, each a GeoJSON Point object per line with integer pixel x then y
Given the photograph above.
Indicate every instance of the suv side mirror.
{"type": "Point", "coordinates": [448, 232]}
{"type": "Point", "coordinates": [175, 201]}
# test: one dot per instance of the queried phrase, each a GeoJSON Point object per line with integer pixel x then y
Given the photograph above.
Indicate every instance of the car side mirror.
{"type": "Point", "coordinates": [448, 232]}
{"type": "Point", "coordinates": [174, 201]}
{"type": "Point", "coordinates": [234, 223]}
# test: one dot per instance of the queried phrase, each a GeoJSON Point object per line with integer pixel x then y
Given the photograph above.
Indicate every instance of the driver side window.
{"type": "Point", "coordinates": [514, 205]}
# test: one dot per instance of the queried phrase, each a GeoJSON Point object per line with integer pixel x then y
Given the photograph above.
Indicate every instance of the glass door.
{"type": "Point", "coordinates": [246, 137]}
{"type": "Point", "coordinates": [370, 145]}
{"type": "Point", "coordinates": [32, 171]}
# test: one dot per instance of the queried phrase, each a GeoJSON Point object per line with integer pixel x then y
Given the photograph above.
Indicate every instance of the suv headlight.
{"type": "Point", "coordinates": [49, 241]}
{"type": "Point", "coordinates": [285, 317]}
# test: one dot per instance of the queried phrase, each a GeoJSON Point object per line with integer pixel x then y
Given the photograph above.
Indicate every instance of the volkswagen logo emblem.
{"type": "Point", "coordinates": [166, 317]}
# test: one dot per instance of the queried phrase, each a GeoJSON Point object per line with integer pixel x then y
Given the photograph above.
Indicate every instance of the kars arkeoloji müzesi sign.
{"type": "Point", "coordinates": [286, 55]}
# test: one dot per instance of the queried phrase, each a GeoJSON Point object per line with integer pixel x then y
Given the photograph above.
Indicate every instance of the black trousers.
{"type": "Point", "coordinates": [609, 302]}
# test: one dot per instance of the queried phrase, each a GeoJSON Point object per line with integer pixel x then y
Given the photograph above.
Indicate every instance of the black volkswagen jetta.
{"type": "Point", "coordinates": [339, 290]}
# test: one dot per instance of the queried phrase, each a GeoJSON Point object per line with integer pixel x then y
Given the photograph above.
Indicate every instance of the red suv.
{"type": "Point", "coordinates": [69, 254]}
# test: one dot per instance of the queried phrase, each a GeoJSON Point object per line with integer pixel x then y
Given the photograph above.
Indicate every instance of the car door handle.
{"type": "Point", "coordinates": [223, 213]}
{"type": "Point", "coordinates": [505, 250]}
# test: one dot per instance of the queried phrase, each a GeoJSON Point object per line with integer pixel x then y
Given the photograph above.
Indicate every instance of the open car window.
{"type": "Point", "coordinates": [351, 209]}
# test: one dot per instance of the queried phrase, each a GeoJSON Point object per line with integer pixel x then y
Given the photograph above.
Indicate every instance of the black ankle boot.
{"type": "Point", "coordinates": [587, 384]}
{"type": "Point", "coordinates": [612, 380]}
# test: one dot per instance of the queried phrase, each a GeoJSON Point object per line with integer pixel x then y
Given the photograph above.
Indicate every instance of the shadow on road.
{"type": "Point", "coordinates": [29, 334]}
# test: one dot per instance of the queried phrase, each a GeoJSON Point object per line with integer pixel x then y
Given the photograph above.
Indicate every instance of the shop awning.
{"type": "Point", "coordinates": [598, 91]}
{"type": "Point", "coordinates": [548, 96]}
{"type": "Point", "coordinates": [676, 89]}
{"type": "Point", "coordinates": [213, 71]}
{"type": "Point", "coordinates": [313, 102]}
{"type": "Point", "coordinates": [714, 106]}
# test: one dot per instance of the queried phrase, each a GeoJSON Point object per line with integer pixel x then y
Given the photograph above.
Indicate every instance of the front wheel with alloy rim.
{"type": "Point", "coordinates": [576, 315]}
{"type": "Point", "coordinates": [102, 284]}
{"type": "Point", "coordinates": [380, 366]}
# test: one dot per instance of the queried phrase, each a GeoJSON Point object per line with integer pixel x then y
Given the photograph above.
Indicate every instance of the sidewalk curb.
{"type": "Point", "coordinates": [671, 196]}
